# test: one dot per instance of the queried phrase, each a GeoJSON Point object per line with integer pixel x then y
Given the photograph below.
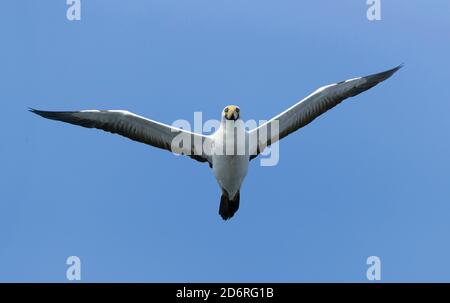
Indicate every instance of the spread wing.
{"type": "Point", "coordinates": [311, 107]}
{"type": "Point", "coordinates": [136, 128]}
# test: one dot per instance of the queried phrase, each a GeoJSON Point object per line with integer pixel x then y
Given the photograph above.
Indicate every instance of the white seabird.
{"type": "Point", "coordinates": [229, 169]}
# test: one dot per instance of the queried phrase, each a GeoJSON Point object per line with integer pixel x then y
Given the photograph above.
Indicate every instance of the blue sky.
{"type": "Point", "coordinates": [370, 177]}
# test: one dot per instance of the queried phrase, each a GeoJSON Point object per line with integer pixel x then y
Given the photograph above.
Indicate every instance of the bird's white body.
{"type": "Point", "coordinates": [230, 168]}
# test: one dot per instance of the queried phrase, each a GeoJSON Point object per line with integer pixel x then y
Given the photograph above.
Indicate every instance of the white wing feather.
{"type": "Point", "coordinates": [134, 127]}
{"type": "Point", "coordinates": [311, 107]}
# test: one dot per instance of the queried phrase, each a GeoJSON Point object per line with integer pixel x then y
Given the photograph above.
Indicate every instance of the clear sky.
{"type": "Point", "coordinates": [369, 178]}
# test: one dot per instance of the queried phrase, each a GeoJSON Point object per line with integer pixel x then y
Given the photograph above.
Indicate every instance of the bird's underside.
{"type": "Point", "coordinates": [200, 147]}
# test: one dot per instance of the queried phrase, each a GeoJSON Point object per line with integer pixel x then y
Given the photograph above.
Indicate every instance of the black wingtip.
{"type": "Point", "coordinates": [52, 115]}
{"type": "Point", "coordinates": [34, 111]}
{"type": "Point", "coordinates": [398, 67]}
{"type": "Point", "coordinates": [38, 112]}
{"type": "Point", "coordinates": [380, 77]}
{"type": "Point", "coordinates": [392, 71]}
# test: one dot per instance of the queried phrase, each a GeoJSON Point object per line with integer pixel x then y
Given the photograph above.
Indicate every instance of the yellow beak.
{"type": "Point", "coordinates": [231, 114]}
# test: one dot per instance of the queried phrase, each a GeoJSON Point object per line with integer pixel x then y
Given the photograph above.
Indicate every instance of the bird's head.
{"type": "Point", "coordinates": [231, 112]}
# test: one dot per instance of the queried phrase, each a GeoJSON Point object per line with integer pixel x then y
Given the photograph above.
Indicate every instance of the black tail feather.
{"type": "Point", "coordinates": [228, 207]}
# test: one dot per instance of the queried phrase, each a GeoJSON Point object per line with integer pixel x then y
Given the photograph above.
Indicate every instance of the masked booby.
{"type": "Point", "coordinates": [229, 168]}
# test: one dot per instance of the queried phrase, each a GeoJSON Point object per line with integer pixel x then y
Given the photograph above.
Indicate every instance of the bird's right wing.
{"type": "Point", "coordinates": [310, 108]}
{"type": "Point", "coordinates": [137, 128]}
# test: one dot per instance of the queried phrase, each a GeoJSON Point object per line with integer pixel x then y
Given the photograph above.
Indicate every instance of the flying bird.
{"type": "Point", "coordinates": [231, 168]}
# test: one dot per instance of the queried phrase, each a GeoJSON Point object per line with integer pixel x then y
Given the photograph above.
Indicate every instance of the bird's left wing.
{"type": "Point", "coordinates": [136, 128]}
{"type": "Point", "coordinates": [310, 108]}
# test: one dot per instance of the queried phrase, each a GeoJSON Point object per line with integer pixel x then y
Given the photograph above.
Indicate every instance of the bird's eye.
{"type": "Point", "coordinates": [237, 110]}
{"type": "Point", "coordinates": [226, 110]}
